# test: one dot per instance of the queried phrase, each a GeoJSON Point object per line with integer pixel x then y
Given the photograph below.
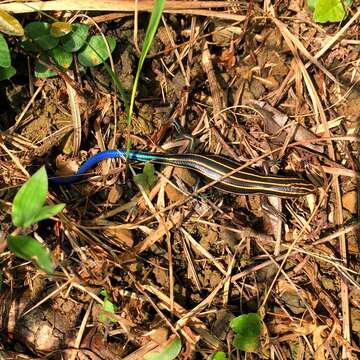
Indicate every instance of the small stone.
{"type": "Point", "coordinates": [349, 201]}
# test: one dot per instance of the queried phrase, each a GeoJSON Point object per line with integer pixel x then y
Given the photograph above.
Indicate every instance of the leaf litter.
{"type": "Point", "coordinates": [242, 86]}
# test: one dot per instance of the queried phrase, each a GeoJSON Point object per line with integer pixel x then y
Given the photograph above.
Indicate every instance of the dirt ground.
{"type": "Point", "coordinates": [257, 81]}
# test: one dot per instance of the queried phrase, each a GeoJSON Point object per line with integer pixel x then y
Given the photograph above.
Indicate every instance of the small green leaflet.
{"type": "Point", "coordinates": [39, 32]}
{"type": "Point", "coordinates": [7, 73]}
{"type": "Point", "coordinates": [169, 352]}
{"type": "Point", "coordinates": [28, 206]}
{"type": "Point", "coordinates": [219, 355]}
{"type": "Point", "coordinates": [329, 10]}
{"type": "Point", "coordinates": [76, 39]}
{"type": "Point", "coordinates": [5, 59]}
{"type": "Point", "coordinates": [27, 248]}
{"type": "Point", "coordinates": [59, 29]}
{"type": "Point", "coordinates": [95, 51]}
{"type": "Point", "coordinates": [247, 328]}
{"type": "Point", "coordinates": [42, 71]}
{"type": "Point", "coordinates": [61, 57]}
{"type": "Point", "coordinates": [147, 178]}
{"type": "Point", "coordinates": [108, 309]}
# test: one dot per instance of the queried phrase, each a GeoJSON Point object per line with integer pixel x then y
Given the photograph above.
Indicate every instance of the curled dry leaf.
{"type": "Point", "coordinates": [122, 236]}
{"type": "Point", "coordinates": [174, 194]}
{"type": "Point", "coordinates": [349, 201]}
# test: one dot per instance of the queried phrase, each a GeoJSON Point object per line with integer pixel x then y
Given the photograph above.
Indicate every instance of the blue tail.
{"type": "Point", "coordinates": [103, 155]}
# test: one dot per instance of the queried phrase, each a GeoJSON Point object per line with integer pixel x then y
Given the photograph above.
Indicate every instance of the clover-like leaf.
{"type": "Point", "coordinates": [30, 45]}
{"type": "Point", "coordinates": [95, 51]}
{"type": "Point", "coordinates": [42, 71]}
{"type": "Point", "coordinates": [5, 59]}
{"type": "Point", "coordinates": [247, 328]}
{"type": "Point", "coordinates": [59, 29]}
{"type": "Point", "coordinates": [75, 40]}
{"type": "Point", "coordinates": [61, 57]}
{"type": "Point", "coordinates": [27, 248]}
{"type": "Point", "coordinates": [7, 73]}
{"type": "Point", "coordinates": [39, 32]}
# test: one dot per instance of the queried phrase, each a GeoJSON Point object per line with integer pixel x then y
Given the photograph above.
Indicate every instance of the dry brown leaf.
{"type": "Point", "coordinates": [318, 342]}
{"type": "Point", "coordinates": [122, 236]}
{"type": "Point", "coordinates": [349, 201]}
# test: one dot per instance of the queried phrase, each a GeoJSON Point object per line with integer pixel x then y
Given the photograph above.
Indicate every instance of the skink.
{"type": "Point", "coordinates": [212, 167]}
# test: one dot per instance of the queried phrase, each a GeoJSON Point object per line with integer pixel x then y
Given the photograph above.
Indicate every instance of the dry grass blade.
{"type": "Point", "coordinates": [303, 50]}
{"type": "Point", "coordinates": [106, 5]}
{"type": "Point", "coordinates": [292, 42]}
{"type": "Point", "coordinates": [203, 251]}
{"type": "Point", "coordinates": [81, 331]}
{"type": "Point", "coordinates": [76, 117]}
{"type": "Point", "coordinates": [155, 236]}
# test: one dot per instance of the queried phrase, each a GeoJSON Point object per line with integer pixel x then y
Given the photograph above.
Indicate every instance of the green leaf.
{"type": "Point", "coordinates": [247, 328]}
{"type": "Point", "coordinates": [39, 32]}
{"type": "Point", "coordinates": [311, 4]}
{"type": "Point", "coordinates": [219, 355]}
{"type": "Point", "coordinates": [95, 51]}
{"type": "Point", "coordinates": [104, 293]}
{"type": "Point", "coordinates": [48, 211]}
{"type": "Point", "coordinates": [42, 71]}
{"type": "Point", "coordinates": [29, 45]}
{"type": "Point", "coordinates": [29, 200]}
{"type": "Point", "coordinates": [27, 248]}
{"type": "Point", "coordinates": [10, 25]}
{"type": "Point", "coordinates": [109, 306]}
{"type": "Point", "coordinates": [149, 36]}
{"type": "Point", "coordinates": [61, 57]}
{"type": "Point", "coordinates": [108, 309]}
{"type": "Point", "coordinates": [59, 29]}
{"type": "Point", "coordinates": [331, 10]}
{"type": "Point", "coordinates": [147, 178]}
{"type": "Point", "coordinates": [169, 352]}
{"type": "Point", "coordinates": [118, 86]}
{"type": "Point", "coordinates": [246, 343]}
{"type": "Point", "coordinates": [76, 39]}
{"type": "Point", "coordinates": [5, 59]}
{"type": "Point", "coordinates": [7, 73]}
